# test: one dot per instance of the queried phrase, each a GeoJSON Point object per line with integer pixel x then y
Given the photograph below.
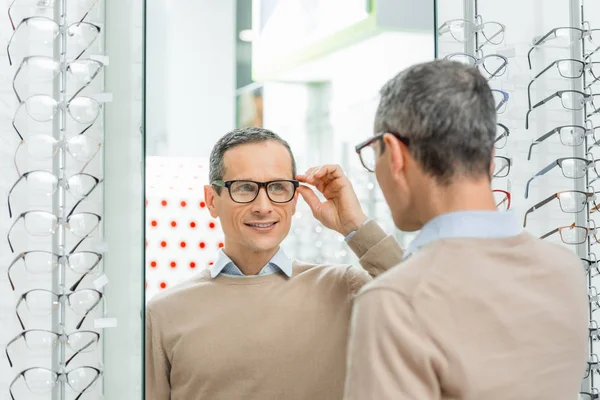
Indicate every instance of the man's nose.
{"type": "Point", "coordinates": [262, 204]}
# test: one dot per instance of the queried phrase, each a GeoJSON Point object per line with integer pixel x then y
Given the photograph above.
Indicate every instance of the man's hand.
{"type": "Point", "coordinates": [341, 211]}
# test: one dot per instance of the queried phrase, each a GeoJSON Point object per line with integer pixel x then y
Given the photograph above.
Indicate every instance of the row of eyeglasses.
{"type": "Point", "coordinates": [37, 116]}
{"type": "Point", "coordinates": [570, 135]}
{"type": "Point", "coordinates": [484, 35]}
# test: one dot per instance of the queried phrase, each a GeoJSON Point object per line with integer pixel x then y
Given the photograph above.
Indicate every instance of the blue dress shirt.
{"type": "Point", "coordinates": [466, 224]}
{"type": "Point", "coordinates": [279, 263]}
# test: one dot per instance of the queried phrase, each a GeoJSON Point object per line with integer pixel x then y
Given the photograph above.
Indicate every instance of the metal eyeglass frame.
{"type": "Point", "coordinates": [55, 264]}
{"type": "Point", "coordinates": [60, 181]}
{"type": "Point", "coordinates": [58, 106]}
{"type": "Point", "coordinates": [587, 131]}
{"type": "Point", "coordinates": [58, 222]}
{"type": "Point", "coordinates": [480, 61]}
{"type": "Point", "coordinates": [60, 30]}
{"type": "Point", "coordinates": [59, 376]}
{"type": "Point", "coordinates": [590, 232]}
{"type": "Point", "coordinates": [587, 98]}
{"type": "Point", "coordinates": [478, 26]}
{"type": "Point", "coordinates": [585, 66]}
{"type": "Point", "coordinates": [539, 40]}
{"type": "Point", "coordinates": [23, 298]}
{"type": "Point", "coordinates": [265, 185]}
{"type": "Point", "coordinates": [12, 23]}
{"type": "Point", "coordinates": [61, 67]}
{"type": "Point", "coordinates": [590, 198]}
{"type": "Point", "coordinates": [59, 337]}
{"type": "Point", "coordinates": [558, 162]}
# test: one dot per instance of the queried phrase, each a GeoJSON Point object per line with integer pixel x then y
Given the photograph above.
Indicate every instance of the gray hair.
{"type": "Point", "coordinates": [238, 137]}
{"type": "Point", "coordinates": [447, 111]}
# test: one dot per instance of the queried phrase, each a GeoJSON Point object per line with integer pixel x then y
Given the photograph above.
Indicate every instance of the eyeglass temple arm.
{"type": "Point", "coordinates": [88, 11]}
{"type": "Point", "coordinates": [537, 43]}
{"type": "Point", "coordinates": [88, 311]}
{"type": "Point", "coordinates": [539, 205]}
{"type": "Point", "coordinates": [78, 352]}
{"type": "Point", "coordinates": [541, 139]}
{"type": "Point", "coordinates": [76, 284]}
{"type": "Point", "coordinates": [11, 190]}
{"type": "Point", "coordinates": [90, 384]}
{"type": "Point", "coordinates": [17, 310]}
{"type": "Point", "coordinates": [12, 250]}
{"type": "Point", "coordinates": [542, 172]}
{"type": "Point", "coordinates": [552, 232]}
{"type": "Point", "coordinates": [13, 384]}
{"type": "Point", "coordinates": [12, 285]}
{"type": "Point", "coordinates": [19, 336]}
{"type": "Point", "coordinates": [539, 104]}
{"type": "Point", "coordinates": [534, 79]}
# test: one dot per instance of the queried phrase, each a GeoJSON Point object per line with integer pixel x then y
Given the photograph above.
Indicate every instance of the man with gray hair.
{"type": "Point", "coordinates": [257, 325]}
{"type": "Point", "coordinates": [478, 309]}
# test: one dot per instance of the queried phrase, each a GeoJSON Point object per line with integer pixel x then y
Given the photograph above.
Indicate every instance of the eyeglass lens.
{"type": "Point", "coordinates": [572, 202]}
{"type": "Point", "coordinates": [573, 168]}
{"type": "Point", "coordinates": [572, 101]}
{"type": "Point", "coordinates": [501, 167]}
{"type": "Point", "coordinates": [44, 147]}
{"type": "Point", "coordinates": [277, 191]}
{"type": "Point", "coordinates": [501, 200]}
{"type": "Point", "coordinates": [573, 234]}
{"type": "Point", "coordinates": [42, 380]}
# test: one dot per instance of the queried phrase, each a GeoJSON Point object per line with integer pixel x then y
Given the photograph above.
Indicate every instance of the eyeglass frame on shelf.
{"type": "Point", "coordinates": [60, 29]}
{"type": "Point", "coordinates": [590, 198]}
{"type": "Point", "coordinates": [587, 98]}
{"type": "Point", "coordinates": [75, 285]}
{"type": "Point", "coordinates": [67, 218]}
{"type": "Point", "coordinates": [587, 132]}
{"type": "Point", "coordinates": [539, 40]}
{"type": "Point", "coordinates": [60, 337]}
{"type": "Point", "coordinates": [59, 375]}
{"type": "Point", "coordinates": [558, 162]}
{"type": "Point", "coordinates": [63, 67]}
{"type": "Point", "coordinates": [481, 61]}
{"type": "Point", "coordinates": [60, 181]}
{"type": "Point", "coordinates": [589, 233]}
{"type": "Point", "coordinates": [23, 298]}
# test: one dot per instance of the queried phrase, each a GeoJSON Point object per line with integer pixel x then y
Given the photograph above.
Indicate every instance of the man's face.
{"type": "Point", "coordinates": [260, 162]}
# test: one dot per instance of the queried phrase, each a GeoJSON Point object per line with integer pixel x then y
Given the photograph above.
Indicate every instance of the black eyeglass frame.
{"type": "Point", "coordinates": [265, 185]}
{"type": "Point", "coordinates": [378, 136]}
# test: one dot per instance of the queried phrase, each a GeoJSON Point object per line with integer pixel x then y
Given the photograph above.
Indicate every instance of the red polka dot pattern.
{"type": "Point", "coordinates": [182, 239]}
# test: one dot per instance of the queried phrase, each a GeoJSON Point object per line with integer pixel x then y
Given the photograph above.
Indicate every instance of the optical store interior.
{"type": "Point", "coordinates": [110, 110]}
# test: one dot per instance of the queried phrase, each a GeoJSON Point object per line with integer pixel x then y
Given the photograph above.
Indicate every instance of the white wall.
{"type": "Point", "coordinates": [190, 75]}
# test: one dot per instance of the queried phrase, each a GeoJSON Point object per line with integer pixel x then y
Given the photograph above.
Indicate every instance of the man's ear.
{"type": "Point", "coordinates": [295, 202]}
{"type": "Point", "coordinates": [396, 155]}
{"type": "Point", "coordinates": [212, 200]}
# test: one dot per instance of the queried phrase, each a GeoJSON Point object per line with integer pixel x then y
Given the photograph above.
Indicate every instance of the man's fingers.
{"type": "Point", "coordinates": [310, 198]}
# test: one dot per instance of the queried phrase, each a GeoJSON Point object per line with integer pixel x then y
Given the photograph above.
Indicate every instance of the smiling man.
{"type": "Point", "coordinates": [257, 325]}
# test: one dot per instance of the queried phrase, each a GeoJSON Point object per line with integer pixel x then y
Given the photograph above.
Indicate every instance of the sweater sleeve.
{"type": "Point", "coordinates": [390, 356]}
{"type": "Point", "coordinates": [157, 365]}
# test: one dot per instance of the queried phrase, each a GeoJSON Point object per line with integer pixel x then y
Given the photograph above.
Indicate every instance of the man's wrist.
{"type": "Point", "coordinates": [354, 225]}
{"type": "Point", "coordinates": [353, 232]}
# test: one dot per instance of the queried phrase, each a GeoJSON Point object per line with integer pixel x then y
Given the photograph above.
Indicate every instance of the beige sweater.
{"type": "Point", "coordinates": [471, 319]}
{"type": "Point", "coordinates": [260, 338]}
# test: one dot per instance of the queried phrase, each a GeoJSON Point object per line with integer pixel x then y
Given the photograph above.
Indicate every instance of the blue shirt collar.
{"type": "Point", "coordinates": [466, 224]}
{"type": "Point", "coordinates": [280, 260]}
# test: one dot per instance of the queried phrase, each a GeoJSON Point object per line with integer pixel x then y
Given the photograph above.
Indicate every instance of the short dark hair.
{"type": "Point", "coordinates": [447, 111]}
{"type": "Point", "coordinates": [238, 137]}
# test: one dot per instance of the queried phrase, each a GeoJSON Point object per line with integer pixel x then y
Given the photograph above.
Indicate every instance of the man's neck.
{"type": "Point", "coordinates": [248, 261]}
{"type": "Point", "coordinates": [463, 196]}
